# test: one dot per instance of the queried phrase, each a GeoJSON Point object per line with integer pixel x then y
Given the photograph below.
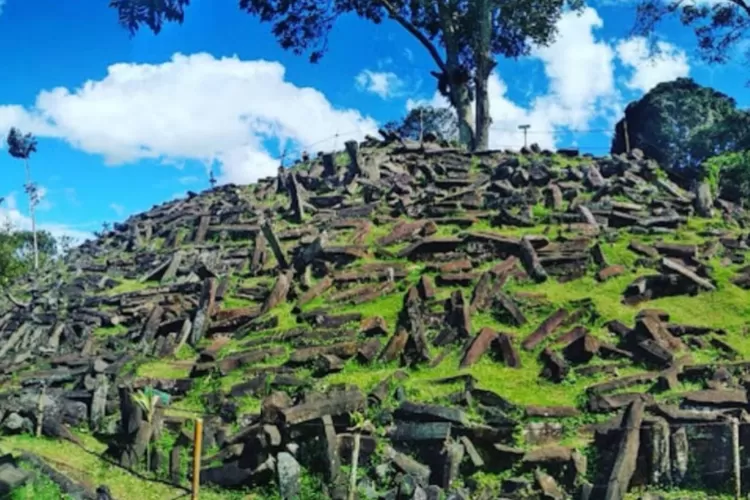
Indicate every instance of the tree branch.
{"type": "Point", "coordinates": [416, 33]}
{"type": "Point", "coordinates": [743, 5]}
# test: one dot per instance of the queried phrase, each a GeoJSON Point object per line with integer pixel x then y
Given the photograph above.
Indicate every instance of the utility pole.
{"type": "Point", "coordinates": [525, 128]}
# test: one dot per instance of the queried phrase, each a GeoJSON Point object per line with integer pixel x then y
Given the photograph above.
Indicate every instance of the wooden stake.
{"type": "Point", "coordinates": [627, 136]}
{"type": "Point", "coordinates": [40, 413]}
{"type": "Point", "coordinates": [736, 458]}
{"type": "Point", "coordinates": [198, 442]}
{"type": "Point", "coordinates": [355, 460]}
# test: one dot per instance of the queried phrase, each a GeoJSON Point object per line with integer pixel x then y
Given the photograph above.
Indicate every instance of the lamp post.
{"type": "Point", "coordinates": [524, 128]}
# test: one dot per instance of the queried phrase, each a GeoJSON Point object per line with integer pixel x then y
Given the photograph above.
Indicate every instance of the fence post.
{"type": "Point", "coordinates": [736, 458]}
{"type": "Point", "coordinates": [40, 412]}
{"type": "Point", "coordinates": [197, 442]}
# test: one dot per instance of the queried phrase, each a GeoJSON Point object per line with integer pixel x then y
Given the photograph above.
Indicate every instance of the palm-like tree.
{"type": "Point", "coordinates": [148, 400]}
{"type": "Point", "coordinates": [20, 146]}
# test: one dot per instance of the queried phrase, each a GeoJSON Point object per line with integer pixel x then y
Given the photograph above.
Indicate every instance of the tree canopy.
{"type": "Point", "coordinates": [17, 252]}
{"type": "Point", "coordinates": [471, 34]}
{"type": "Point", "coordinates": [426, 120]}
{"type": "Point", "coordinates": [681, 123]}
{"type": "Point", "coordinates": [720, 26]}
{"type": "Point", "coordinates": [20, 145]}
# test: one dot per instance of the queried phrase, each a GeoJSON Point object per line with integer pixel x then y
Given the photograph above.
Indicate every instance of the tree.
{"type": "Point", "coordinates": [17, 254]}
{"type": "Point", "coordinates": [680, 123]}
{"type": "Point", "coordinates": [21, 146]}
{"type": "Point", "coordinates": [471, 34]}
{"type": "Point", "coordinates": [46, 246]}
{"type": "Point", "coordinates": [729, 176]}
{"type": "Point", "coordinates": [719, 26]}
{"type": "Point", "coordinates": [424, 120]}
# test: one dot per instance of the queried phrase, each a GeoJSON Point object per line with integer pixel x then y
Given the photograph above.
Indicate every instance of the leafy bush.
{"type": "Point", "coordinates": [729, 175]}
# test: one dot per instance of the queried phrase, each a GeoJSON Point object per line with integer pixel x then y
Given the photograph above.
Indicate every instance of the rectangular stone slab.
{"type": "Point", "coordinates": [544, 330]}
{"type": "Point", "coordinates": [335, 403]}
{"type": "Point", "coordinates": [421, 431]}
{"type": "Point", "coordinates": [625, 463]}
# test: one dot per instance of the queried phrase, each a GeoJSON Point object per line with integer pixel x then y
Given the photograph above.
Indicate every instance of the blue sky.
{"type": "Point", "coordinates": [125, 123]}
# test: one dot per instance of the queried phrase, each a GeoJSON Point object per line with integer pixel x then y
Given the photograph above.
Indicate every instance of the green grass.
{"type": "Point", "coordinates": [107, 331]}
{"type": "Point", "coordinates": [235, 303]}
{"type": "Point", "coordinates": [84, 464]}
{"type": "Point", "coordinates": [40, 487]}
{"type": "Point", "coordinates": [163, 369]}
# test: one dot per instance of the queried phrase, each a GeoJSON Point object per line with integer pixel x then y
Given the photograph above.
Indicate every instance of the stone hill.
{"type": "Point", "coordinates": [496, 319]}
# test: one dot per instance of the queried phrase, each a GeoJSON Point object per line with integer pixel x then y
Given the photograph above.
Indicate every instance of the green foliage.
{"type": "Point", "coordinates": [720, 26]}
{"type": "Point", "coordinates": [729, 175]}
{"type": "Point", "coordinates": [680, 123]}
{"type": "Point", "coordinates": [20, 145]}
{"type": "Point", "coordinates": [17, 252]}
{"type": "Point", "coordinates": [40, 487]}
{"type": "Point", "coordinates": [471, 34]}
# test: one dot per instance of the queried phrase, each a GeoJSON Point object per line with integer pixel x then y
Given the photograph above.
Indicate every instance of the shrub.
{"type": "Point", "coordinates": [729, 175]}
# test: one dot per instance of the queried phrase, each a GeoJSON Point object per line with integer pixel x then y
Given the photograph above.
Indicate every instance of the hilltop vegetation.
{"type": "Point", "coordinates": [508, 309]}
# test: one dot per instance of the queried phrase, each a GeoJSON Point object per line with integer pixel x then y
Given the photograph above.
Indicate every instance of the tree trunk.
{"type": "Point", "coordinates": [31, 215]}
{"type": "Point", "coordinates": [482, 129]}
{"type": "Point", "coordinates": [461, 102]}
{"type": "Point", "coordinates": [458, 91]}
{"type": "Point", "coordinates": [485, 64]}
{"type": "Point", "coordinates": [458, 86]}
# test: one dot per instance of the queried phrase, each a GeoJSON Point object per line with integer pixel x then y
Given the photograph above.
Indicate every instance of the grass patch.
{"type": "Point", "coordinates": [163, 369]}
{"type": "Point", "coordinates": [108, 331]}
{"type": "Point", "coordinates": [40, 487]}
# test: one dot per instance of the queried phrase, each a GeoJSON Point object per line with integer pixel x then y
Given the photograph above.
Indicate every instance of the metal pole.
{"type": "Point", "coordinates": [524, 128]}
{"type": "Point", "coordinates": [198, 442]}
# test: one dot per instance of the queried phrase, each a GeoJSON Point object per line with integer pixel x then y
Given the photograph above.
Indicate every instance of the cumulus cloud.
{"type": "Point", "coordinates": [580, 70]}
{"type": "Point", "coordinates": [194, 107]}
{"type": "Point", "coordinates": [580, 73]}
{"type": "Point", "coordinates": [651, 67]}
{"type": "Point", "coordinates": [384, 84]}
{"type": "Point", "coordinates": [11, 215]}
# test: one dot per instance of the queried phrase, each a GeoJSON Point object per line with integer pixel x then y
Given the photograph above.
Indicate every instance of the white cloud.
{"type": "Point", "coordinates": [650, 68]}
{"type": "Point", "coordinates": [580, 71]}
{"type": "Point", "coordinates": [382, 83]}
{"type": "Point", "coordinates": [193, 107]}
{"type": "Point", "coordinates": [117, 208]}
{"type": "Point", "coordinates": [10, 214]}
